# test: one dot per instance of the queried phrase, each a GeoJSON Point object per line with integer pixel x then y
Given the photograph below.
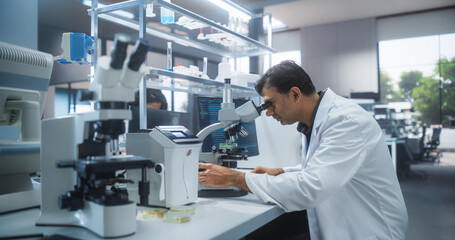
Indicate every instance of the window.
{"type": "Point", "coordinates": [420, 71]}
{"type": "Point", "coordinates": [281, 56]}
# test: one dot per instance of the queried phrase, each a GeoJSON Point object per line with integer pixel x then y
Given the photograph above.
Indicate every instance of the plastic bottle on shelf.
{"type": "Point", "coordinates": [204, 68]}
{"type": "Point", "coordinates": [169, 56]}
{"type": "Point", "coordinates": [181, 69]}
{"type": "Point", "coordinates": [224, 70]}
{"type": "Point", "coordinates": [167, 16]}
{"type": "Point", "coordinates": [149, 10]}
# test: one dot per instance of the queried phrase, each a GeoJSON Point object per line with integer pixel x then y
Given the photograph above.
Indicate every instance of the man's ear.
{"type": "Point", "coordinates": [295, 93]}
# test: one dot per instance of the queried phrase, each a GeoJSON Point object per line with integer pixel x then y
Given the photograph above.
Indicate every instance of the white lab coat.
{"type": "Point", "coordinates": [347, 183]}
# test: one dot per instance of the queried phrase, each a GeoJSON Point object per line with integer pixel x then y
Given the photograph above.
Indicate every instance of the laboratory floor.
{"type": "Point", "coordinates": [431, 201]}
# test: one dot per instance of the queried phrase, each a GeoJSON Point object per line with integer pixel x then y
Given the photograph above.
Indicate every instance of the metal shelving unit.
{"type": "Point", "coordinates": [184, 32]}
{"type": "Point", "coordinates": [219, 40]}
{"type": "Point", "coordinates": [166, 80]}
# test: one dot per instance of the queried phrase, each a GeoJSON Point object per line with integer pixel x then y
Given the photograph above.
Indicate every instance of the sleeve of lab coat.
{"type": "Point", "coordinates": [293, 169]}
{"type": "Point", "coordinates": [340, 153]}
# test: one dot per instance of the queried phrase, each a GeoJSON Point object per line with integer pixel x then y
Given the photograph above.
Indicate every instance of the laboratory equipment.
{"type": "Point", "coordinates": [176, 152]}
{"type": "Point", "coordinates": [149, 10]}
{"type": "Point", "coordinates": [181, 69]}
{"type": "Point", "coordinates": [244, 79]}
{"type": "Point", "coordinates": [167, 15]}
{"type": "Point", "coordinates": [206, 113]}
{"type": "Point", "coordinates": [82, 183]}
{"type": "Point", "coordinates": [227, 154]}
{"type": "Point", "coordinates": [77, 48]}
{"type": "Point", "coordinates": [204, 67]}
{"type": "Point", "coordinates": [24, 80]}
{"type": "Point", "coordinates": [169, 56]}
{"type": "Point", "coordinates": [224, 70]}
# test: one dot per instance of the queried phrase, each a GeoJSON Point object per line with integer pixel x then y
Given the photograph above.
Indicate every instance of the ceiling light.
{"type": "Point", "coordinates": [233, 9]}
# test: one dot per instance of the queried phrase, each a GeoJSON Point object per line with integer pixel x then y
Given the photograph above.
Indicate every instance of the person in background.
{"type": "Point", "coordinates": [346, 182]}
{"type": "Point", "coordinates": [155, 99]}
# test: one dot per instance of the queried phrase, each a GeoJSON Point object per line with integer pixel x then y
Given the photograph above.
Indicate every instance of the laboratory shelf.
{"type": "Point", "coordinates": [188, 29]}
{"type": "Point", "coordinates": [167, 80]}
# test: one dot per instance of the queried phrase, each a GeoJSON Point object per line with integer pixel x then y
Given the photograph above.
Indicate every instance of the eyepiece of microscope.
{"type": "Point", "coordinates": [138, 55]}
{"type": "Point", "coordinates": [118, 53]}
{"type": "Point", "coordinates": [263, 106]}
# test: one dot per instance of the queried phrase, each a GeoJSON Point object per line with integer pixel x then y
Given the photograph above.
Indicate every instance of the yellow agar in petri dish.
{"type": "Point", "coordinates": [154, 213]}
{"type": "Point", "coordinates": [171, 218]}
{"type": "Point", "coordinates": [187, 210]}
{"type": "Point", "coordinates": [180, 214]}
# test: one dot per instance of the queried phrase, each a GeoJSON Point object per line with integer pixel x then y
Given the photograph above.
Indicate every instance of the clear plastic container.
{"type": "Point", "coordinates": [224, 70]}
{"type": "Point", "coordinates": [167, 16]}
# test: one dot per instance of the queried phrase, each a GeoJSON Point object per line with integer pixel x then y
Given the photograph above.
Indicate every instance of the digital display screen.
{"type": "Point", "coordinates": [179, 134]}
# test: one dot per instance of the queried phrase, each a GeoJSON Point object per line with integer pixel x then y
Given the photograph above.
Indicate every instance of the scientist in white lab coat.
{"type": "Point", "coordinates": [346, 181]}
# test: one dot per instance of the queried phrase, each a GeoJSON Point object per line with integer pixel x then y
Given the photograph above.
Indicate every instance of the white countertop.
{"type": "Point", "coordinates": [215, 218]}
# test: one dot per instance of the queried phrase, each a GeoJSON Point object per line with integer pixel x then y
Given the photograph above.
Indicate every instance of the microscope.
{"type": "Point", "coordinates": [227, 155]}
{"type": "Point", "coordinates": [176, 151]}
{"type": "Point", "coordinates": [83, 181]}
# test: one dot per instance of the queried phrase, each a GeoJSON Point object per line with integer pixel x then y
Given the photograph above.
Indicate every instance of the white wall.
{"type": "Point", "coordinates": [341, 56]}
{"type": "Point", "coordinates": [416, 25]}
{"type": "Point", "coordinates": [286, 41]}
{"type": "Point", "coordinates": [19, 22]}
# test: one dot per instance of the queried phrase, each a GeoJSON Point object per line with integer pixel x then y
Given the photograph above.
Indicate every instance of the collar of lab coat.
{"type": "Point", "coordinates": [323, 110]}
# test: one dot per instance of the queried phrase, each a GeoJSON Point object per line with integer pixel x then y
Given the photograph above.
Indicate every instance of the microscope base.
{"type": "Point", "coordinates": [222, 193]}
{"type": "Point", "coordinates": [105, 221]}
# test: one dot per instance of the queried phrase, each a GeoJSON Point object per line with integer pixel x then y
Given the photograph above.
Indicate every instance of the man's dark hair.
{"type": "Point", "coordinates": [153, 95]}
{"type": "Point", "coordinates": [284, 76]}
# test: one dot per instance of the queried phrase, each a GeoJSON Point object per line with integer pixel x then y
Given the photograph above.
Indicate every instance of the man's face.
{"type": "Point", "coordinates": [154, 105]}
{"type": "Point", "coordinates": [281, 106]}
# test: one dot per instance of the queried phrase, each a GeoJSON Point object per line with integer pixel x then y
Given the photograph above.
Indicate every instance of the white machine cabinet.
{"type": "Point", "coordinates": [175, 149]}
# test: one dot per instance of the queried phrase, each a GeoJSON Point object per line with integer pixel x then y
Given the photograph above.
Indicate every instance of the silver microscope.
{"type": "Point", "coordinates": [176, 151]}
{"type": "Point", "coordinates": [82, 180]}
{"type": "Point", "coordinates": [230, 118]}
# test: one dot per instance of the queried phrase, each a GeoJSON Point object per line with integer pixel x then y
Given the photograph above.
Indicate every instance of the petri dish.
{"type": "Point", "coordinates": [154, 213]}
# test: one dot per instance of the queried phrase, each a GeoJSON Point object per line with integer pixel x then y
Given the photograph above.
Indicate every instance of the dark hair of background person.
{"type": "Point", "coordinates": [153, 96]}
{"type": "Point", "coordinates": [284, 76]}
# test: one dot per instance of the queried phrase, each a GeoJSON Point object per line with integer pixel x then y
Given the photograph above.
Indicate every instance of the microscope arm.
{"type": "Point", "coordinates": [209, 129]}
{"type": "Point", "coordinates": [246, 113]}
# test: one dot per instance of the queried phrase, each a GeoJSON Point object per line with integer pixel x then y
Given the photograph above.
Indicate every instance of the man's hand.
{"type": "Point", "coordinates": [219, 176]}
{"type": "Point", "coordinates": [269, 171]}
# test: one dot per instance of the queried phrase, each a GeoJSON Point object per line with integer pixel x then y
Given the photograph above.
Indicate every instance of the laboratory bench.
{"type": "Point", "coordinates": [214, 218]}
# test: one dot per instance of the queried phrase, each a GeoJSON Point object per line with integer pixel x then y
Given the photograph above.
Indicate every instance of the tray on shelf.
{"type": "Point", "coordinates": [166, 80]}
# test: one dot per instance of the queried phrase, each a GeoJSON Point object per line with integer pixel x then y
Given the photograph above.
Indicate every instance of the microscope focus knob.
{"type": "Point", "coordinates": [72, 200]}
{"type": "Point", "coordinates": [243, 132]}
